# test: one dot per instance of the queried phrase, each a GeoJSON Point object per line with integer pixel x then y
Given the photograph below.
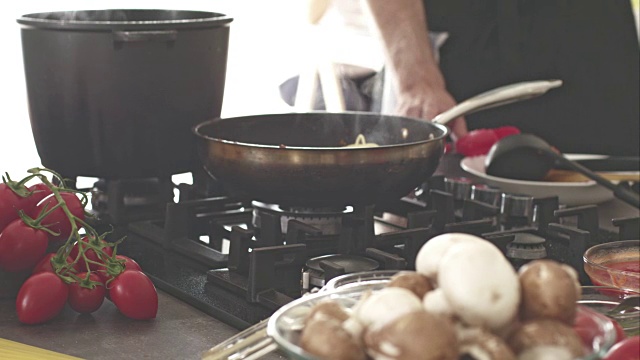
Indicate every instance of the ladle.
{"type": "Point", "coordinates": [528, 157]}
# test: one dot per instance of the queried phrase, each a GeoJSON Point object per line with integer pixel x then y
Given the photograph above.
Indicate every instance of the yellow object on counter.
{"type": "Point", "coordinates": [17, 351]}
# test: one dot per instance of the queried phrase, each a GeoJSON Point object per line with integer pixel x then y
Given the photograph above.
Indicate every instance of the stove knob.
{"type": "Point", "coordinates": [485, 194]}
{"type": "Point", "coordinates": [517, 206]}
{"type": "Point", "coordinates": [459, 187]}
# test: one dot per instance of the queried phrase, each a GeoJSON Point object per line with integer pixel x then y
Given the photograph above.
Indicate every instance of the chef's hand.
{"type": "Point", "coordinates": [427, 102]}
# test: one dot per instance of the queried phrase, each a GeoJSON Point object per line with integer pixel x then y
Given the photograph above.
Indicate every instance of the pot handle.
{"type": "Point", "coordinates": [500, 96]}
{"type": "Point", "coordinates": [139, 36]}
{"type": "Point", "coordinates": [252, 343]}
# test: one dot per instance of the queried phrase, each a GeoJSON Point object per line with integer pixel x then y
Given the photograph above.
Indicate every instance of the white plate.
{"type": "Point", "coordinates": [569, 193]}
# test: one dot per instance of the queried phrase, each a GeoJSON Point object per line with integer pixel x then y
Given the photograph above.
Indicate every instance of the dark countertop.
{"type": "Point", "coordinates": [178, 332]}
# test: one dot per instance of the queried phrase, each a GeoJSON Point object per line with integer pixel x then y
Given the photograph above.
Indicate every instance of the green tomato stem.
{"type": "Point", "coordinates": [94, 241]}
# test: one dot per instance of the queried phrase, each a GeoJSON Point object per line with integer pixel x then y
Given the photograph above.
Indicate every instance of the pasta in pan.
{"type": "Point", "coordinates": [361, 141]}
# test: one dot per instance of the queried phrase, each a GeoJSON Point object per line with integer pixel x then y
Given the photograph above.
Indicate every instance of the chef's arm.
{"type": "Point", "coordinates": [403, 29]}
{"type": "Point", "coordinates": [420, 86]}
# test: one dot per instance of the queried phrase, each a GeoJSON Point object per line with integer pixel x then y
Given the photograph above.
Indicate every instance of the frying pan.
{"type": "Point", "coordinates": [300, 159]}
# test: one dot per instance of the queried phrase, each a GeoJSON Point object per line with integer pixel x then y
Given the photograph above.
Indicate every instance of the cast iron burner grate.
{"type": "Point", "coordinates": [121, 201]}
{"type": "Point", "coordinates": [323, 268]}
{"type": "Point", "coordinates": [208, 252]}
{"type": "Point", "coordinates": [327, 220]}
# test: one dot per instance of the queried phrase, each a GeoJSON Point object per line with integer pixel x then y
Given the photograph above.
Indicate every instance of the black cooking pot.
{"type": "Point", "coordinates": [114, 93]}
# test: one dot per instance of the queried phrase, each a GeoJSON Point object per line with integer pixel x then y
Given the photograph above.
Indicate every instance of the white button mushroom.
{"type": "Point", "coordinates": [549, 291]}
{"type": "Point", "coordinates": [385, 305]}
{"type": "Point", "coordinates": [436, 302]}
{"type": "Point", "coordinates": [480, 284]}
{"type": "Point", "coordinates": [431, 253]}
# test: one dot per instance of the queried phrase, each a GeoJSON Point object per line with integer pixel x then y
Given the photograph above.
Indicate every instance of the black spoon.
{"type": "Point", "coordinates": [527, 157]}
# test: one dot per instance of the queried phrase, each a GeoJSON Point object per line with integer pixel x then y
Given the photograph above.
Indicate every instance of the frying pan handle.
{"type": "Point", "coordinates": [252, 343]}
{"type": "Point", "coordinates": [500, 96]}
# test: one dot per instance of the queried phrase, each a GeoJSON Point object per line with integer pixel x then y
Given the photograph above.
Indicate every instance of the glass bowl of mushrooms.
{"type": "Point", "coordinates": [463, 299]}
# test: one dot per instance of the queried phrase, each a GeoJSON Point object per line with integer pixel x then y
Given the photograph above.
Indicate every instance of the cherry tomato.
{"type": "Point", "coordinates": [620, 335]}
{"type": "Point", "coordinates": [86, 300]}
{"type": "Point", "coordinates": [134, 295]}
{"type": "Point", "coordinates": [38, 191]}
{"type": "Point", "coordinates": [41, 298]}
{"type": "Point", "coordinates": [129, 264]}
{"type": "Point", "coordinates": [21, 246]}
{"type": "Point", "coordinates": [58, 220]}
{"type": "Point", "coordinates": [627, 349]}
{"type": "Point", "coordinates": [588, 329]}
{"type": "Point", "coordinates": [10, 203]}
{"type": "Point", "coordinates": [45, 264]}
{"type": "Point", "coordinates": [91, 255]}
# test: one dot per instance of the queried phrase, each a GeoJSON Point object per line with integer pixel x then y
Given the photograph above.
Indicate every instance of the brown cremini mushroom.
{"type": "Point", "coordinates": [414, 336]}
{"type": "Point", "coordinates": [385, 305]}
{"type": "Point", "coordinates": [540, 337]}
{"type": "Point", "coordinates": [327, 339]}
{"type": "Point", "coordinates": [412, 281]}
{"type": "Point", "coordinates": [549, 291]}
{"type": "Point", "coordinates": [328, 310]}
{"type": "Point", "coordinates": [480, 344]}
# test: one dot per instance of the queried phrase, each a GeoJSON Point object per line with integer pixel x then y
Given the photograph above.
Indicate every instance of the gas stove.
{"type": "Point", "coordinates": [240, 260]}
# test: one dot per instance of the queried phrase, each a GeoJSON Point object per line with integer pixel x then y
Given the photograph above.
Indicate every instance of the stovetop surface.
{"type": "Point", "coordinates": [220, 275]}
{"type": "Point", "coordinates": [190, 280]}
{"type": "Point", "coordinates": [186, 279]}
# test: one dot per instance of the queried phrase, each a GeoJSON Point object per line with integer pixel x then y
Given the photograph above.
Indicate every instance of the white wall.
{"type": "Point", "coordinates": [264, 50]}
